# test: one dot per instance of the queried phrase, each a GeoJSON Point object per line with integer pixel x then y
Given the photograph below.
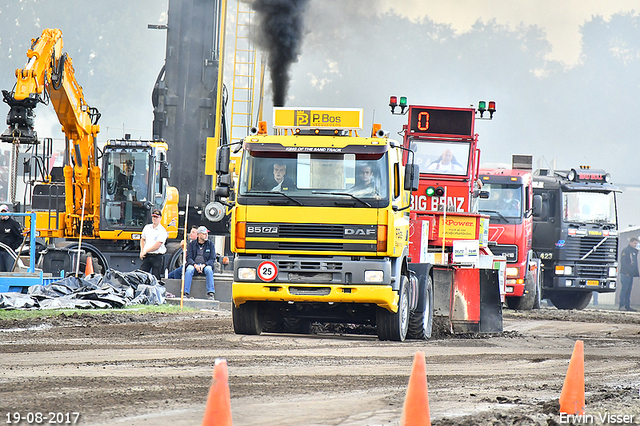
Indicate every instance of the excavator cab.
{"type": "Point", "coordinates": [133, 184]}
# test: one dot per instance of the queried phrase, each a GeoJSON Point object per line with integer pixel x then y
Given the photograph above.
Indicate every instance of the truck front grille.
{"type": "Point", "coordinates": [296, 265]}
{"type": "Point", "coordinates": [509, 251]}
{"type": "Point", "coordinates": [311, 237]}
{"type": "Point", "coordinates": [296, 230]}
{"type": "Point", "coordinates": [310, 291]}
{"type": "Point", "coordinates": [592, 271]}
{"type": "Point", "coordinates": [576, 248]}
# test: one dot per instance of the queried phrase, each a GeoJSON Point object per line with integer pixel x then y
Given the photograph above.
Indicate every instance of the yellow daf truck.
{"type": "Point", "coordinates": [320, 228]}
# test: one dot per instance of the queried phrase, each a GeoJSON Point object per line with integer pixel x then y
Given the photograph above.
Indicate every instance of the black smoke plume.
{"type": "Point", "coordinates": [279, 26]}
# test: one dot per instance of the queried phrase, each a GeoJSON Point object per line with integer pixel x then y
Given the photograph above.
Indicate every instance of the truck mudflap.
{"type": "Point", "coordinates": [466, 300]}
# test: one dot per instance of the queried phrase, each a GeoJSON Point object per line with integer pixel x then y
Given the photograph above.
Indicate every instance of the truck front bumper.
{"type": "Point", "coordinates": [328, 279]}
{"type": "Point", "coordinates": [380, 295]}
{"type": "Point", "coordinates": [514, 287]}
{"type": "Point", "coordinates": [575, 283]}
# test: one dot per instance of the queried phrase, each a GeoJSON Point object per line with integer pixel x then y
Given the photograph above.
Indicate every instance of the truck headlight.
{"type": "Point", "coordinates": [247, 273]}
{"type": "Point", "coordinates": [613, 271]}
{"type": "Point", "coordinates": [564, 270]}
{"type": "Point", "coordinates": [512, 272]}
{"type": "Point", "coordinates": [373, 276]}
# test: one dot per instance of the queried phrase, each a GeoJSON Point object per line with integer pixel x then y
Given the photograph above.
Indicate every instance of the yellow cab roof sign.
{"type": "Point", "coordinates": [326, 118]}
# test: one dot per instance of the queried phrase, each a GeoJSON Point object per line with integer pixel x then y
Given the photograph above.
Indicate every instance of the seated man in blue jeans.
{"type": "Point", "coordinates": [177, 273]}
{"type": "Point", "coordinates": [201, 256]}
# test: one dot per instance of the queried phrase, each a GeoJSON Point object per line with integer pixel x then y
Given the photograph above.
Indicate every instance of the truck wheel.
{"type": "Point", "coordinates": [570, 300]}
{"type": "Point", "coordinates": [175, 258]}
{"type": "Point", "coordinates": [297, 326]}
{"type": "Point", "coordinates": [246, 319]}
{"type": "Point", "coordinates": [528, 300]}
{"type": "Point", "coordinates": [100, 263]}
{"type": "Point", "coordinates": [394, 326]}
{"type": "Point", "coordinates": [273, 322]}
{"type": "Point", "coordinates": [421, 323]}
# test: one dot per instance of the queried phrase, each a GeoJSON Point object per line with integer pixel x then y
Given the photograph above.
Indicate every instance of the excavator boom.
{"type": "Point", "coordinates": [48, 76]}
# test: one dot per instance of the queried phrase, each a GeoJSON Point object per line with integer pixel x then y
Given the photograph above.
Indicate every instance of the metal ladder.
{"type": "Point", "coordinates": [244, 68]}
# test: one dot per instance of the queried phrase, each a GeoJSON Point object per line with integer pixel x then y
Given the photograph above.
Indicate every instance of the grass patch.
{"type": "Point", "coordinates": [17, 314]}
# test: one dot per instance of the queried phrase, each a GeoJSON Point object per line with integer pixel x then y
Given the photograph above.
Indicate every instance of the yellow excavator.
{"type": "Point", "coordinates": [105, 208]}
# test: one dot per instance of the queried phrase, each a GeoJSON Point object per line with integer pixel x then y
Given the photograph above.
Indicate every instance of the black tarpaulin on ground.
{"type": "Point", "coordinates": [113, 290]}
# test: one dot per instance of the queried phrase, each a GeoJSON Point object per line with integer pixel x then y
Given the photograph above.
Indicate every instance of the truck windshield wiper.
{"type": "Point", "coordinates": [603, 222]}
{"type": "Point", "coordinates": [576, 222]}
{"type": "Point", "coordinates": [496, 212]}
{"type": "Point", "coordinates": [274, 192]}
{"type": "Point", "coordinates": [343, 193]}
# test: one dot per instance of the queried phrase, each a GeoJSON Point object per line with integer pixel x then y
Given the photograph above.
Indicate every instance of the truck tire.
{"type": "Point", "coordinates": [246, 319]}
{"type": "Point", "coordinates": [570, 300]}
{"type": "Point", "coordinates": [394, 326]}
{"type": "Point", "coordinates": [530, 298]}
{"type": "Point", "coordinates": [297, 325]}
{"type": "Point", "coordinates": [100, 263]}
{"type": "Point", "coordinates": [174, 256]}
{"type": "Point", "coordinates": [272, 322]}
{"type": "Point", "coordinates": [421, 322]}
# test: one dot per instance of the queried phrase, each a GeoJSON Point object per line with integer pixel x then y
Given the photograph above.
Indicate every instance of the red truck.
{"type": "Point", "coordinates": [448, 239]}
{"type": "Point", "coordinates": [510, 207]}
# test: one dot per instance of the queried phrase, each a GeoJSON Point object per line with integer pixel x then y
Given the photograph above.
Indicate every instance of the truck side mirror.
{"type": "Point", "coordinates": [222, 165]}
{"type": "Point", "coordinates": [165, 171]}
{"type": "Point", "coordinates": [222, 191]}
{"type": "Point", "coordinates": [224, 183]}
{"type": "Point", "coordinates": [411, 177]}
{"type": "Point", "coordinates": [537, 205]}
{"type": "Point", "coordinates": [484, 195]}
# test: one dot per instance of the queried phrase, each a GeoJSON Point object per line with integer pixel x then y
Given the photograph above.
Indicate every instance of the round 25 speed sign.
{"type": "Point", "coordinates": [267, 271]}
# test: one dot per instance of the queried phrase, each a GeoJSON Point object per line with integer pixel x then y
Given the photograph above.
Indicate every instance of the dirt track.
{"type": "Point", "coordinates": [155, 369]}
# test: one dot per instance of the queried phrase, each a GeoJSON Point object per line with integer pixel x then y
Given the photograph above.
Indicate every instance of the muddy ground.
{"type": "Point", "coordinates": [155, 369]}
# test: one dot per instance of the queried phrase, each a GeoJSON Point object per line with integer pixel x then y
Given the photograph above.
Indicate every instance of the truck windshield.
{"type": "Point", "coordinates": [441, 157]}
{"type": "Point", "coordinates": [504, 200]}
{"type": "Point", "coordinates": [337, 176]}
{"type": "Point", "coordinates": [589, 207]}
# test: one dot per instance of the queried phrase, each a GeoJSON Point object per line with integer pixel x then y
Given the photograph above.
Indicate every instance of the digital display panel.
{"type": "Point", "coordinates": [441, 121]}
{"type": "Point", "coordinates": [599, 176]}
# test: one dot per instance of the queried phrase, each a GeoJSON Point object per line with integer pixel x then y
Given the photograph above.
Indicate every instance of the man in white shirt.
{"type": "Point", "coordinates": [152, 245]}
{"type": "Point", "coordinates": [446, 164]}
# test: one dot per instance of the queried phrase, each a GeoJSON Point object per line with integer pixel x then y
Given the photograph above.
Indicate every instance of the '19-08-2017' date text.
{"type": "Point", "coordinates": [38, 418]}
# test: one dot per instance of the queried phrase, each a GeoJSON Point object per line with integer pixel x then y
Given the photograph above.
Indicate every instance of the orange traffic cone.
{"type": "Point", "coordinates": [218, 409]}
{"type": "Point", "coordinates": [572, 395]}
{"type": "Point", "coordinates": [88, 270]}
{"type": "Point", "coordinates": [415, 411]}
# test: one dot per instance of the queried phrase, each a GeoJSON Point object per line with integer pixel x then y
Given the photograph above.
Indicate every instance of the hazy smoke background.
{"type": "Point", "coordinates": [279, 32]}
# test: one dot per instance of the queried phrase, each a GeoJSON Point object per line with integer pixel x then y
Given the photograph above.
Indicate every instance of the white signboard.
{"type": "Point", "coordinates": [466, 252]}
{"type": "Point", "coordinates": [424, 243]}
